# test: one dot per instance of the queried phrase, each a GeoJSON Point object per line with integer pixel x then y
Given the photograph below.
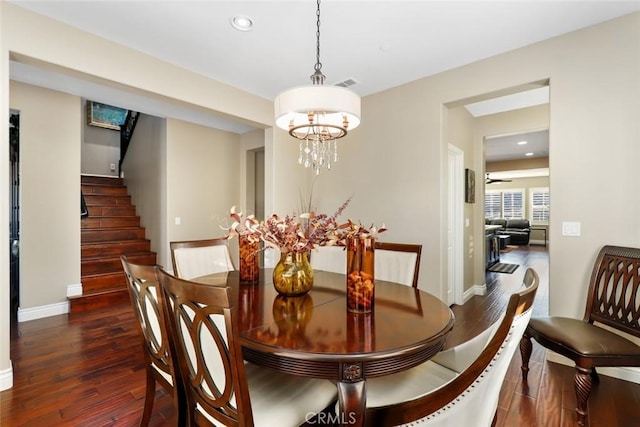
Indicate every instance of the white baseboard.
{"type": "Point", "coordinates": [6, 378]}
{"type": "Point", "coordinates": [74, 290]}
{"type": "Point", "coordinates": [43, 311]}
{"type": "Point", "coordinates": [473, 291]}
{"type": "Point", "coordinates": [621, 373]}
{"type": "Point", "coordinates": [99, 175]}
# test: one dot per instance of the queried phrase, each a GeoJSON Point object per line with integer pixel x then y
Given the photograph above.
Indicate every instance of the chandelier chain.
{"type": "Point", "coordinates": [318, 65]}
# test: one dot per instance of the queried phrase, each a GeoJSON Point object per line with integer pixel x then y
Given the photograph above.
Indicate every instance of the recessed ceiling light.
{"type": "Point", "coordinates": [529, 154]}
{"type": "Point", "coordinates": [522, 142]}
{"type": "Point", "coordinates": [242, 23]}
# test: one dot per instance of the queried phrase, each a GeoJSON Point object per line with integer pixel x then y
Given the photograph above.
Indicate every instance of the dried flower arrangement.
{"type": "Point", "coordinates": [299, 233]}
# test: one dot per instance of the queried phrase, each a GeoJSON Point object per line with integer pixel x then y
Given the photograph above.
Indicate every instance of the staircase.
{"type": "Point", "coordinates": [112, 229]}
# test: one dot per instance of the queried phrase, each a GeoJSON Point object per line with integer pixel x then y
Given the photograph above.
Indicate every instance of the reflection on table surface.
{"type": "Point", "coordinates": [319, 323]}
{"type": "Point", "coordinates": [314, 335]}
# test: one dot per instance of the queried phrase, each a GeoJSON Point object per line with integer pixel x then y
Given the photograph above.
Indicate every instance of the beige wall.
{"type": "Point", "coordinates": [179, 169]}
{"type": "Point", "coordinates": [202, 181]}
{"type": "Point", "coordinates": [49, 193]}
{"type": "Point", "coordinates": [519, 164]}
{"type": "Point", "coordinates": [100, 148]}
{"type": "Point", "coordinates": [144, 169]}
{"type": "Point", "coordinates": [460, 133]}
{"type": "Point", "coordinates": [394, 164]}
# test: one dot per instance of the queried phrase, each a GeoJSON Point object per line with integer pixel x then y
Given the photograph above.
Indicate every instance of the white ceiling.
{"type": "Point", "coordinates": [509, 147]}
{"type": "Point", "coordinates": [380, 44]}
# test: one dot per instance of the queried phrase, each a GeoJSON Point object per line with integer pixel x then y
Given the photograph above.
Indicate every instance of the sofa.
{"type": "Point", "coordinates": [518, 230]}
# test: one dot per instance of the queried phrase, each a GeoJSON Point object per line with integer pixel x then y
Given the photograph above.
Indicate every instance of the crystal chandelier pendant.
{"type": "Point", "coordinates": [317, 115]}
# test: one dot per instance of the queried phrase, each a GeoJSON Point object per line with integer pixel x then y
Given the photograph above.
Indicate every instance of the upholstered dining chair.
{"type": "Point", "coordinates": [144, 289]}
{"type": "Point", "coordinates": [613, 304]}
{"type": "Point", "coordinates": [398, 262]}
{"type": "Point", "coordinates": [220, 388]}
{"type": "Point", "coordinates": [459, 386]}
{"type": "Point", "coordinates": [195, 258]}
{"type": "Point", "coordinates": [329, 258]}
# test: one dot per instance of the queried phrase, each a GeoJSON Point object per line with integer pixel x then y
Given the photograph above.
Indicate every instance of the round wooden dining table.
{"type": "Point", "coordinates": [314, 335]}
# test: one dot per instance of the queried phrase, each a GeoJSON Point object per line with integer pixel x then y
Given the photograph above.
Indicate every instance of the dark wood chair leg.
{"type": "Point", "coordinates": [148, 398]}
{"type": "Point", "coordinates": [582, 383]}
{"type": "Point", "coordinates": [525, 353]}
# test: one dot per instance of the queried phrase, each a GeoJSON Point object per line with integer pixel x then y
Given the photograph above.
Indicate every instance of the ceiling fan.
{"type": "Point", "coordinates": [494, 180]}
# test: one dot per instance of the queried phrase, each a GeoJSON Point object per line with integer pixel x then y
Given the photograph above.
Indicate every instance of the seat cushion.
{"type": "Point", "coordinates": [278, 399]}
{"type": "Point", "coordinates": [582, 337]}
{"type": "Point", "coordinates": [408, 384]}
{"type": "Point", "coordinates": [283, 400]}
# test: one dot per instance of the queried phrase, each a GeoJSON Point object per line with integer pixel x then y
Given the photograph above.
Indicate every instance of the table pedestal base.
{"type": "Point", "coordinates": [352, 399]}
{"type": "Point", "coordinates": [351, 403]}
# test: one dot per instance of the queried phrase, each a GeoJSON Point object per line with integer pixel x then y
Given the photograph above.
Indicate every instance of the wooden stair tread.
{"type": "Point", "coordinates": [83, 303]}
{"type": "Point", "coordinates": [110, 256]}
{"type": "Point", "coordinates": [111, 230]}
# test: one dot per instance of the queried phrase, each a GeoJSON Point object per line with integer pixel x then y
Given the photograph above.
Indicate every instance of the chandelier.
{"type": "Point", "coordinates": [317, 115]}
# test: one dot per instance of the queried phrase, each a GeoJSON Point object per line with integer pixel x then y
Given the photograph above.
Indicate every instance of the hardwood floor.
{"type": "Point", "coordinates": [86, 369]}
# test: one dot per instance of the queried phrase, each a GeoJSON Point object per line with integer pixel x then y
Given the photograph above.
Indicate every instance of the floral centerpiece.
{"type": "Point", "coordinates": [295, 236]}
{"type": "Point", "coordinates": [291, 233]}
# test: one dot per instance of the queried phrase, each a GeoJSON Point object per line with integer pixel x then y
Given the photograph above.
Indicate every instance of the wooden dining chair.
{"type": "Point", "coordinates": [144, 289]}
{"type": "Point", "coordinates": [220, 388]}
{"type": "Point", "coordinates": [195, 258]}
{"type": "Point", "coordinates": [398, 262]}
{"type": "Point", "coordinates": [459, 386]}
{"type": "Point", "coordinates": [596, 340]}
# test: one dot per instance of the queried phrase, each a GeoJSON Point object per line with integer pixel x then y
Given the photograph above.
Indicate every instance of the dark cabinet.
{"type": "Point", "coordinates": [492, 249]}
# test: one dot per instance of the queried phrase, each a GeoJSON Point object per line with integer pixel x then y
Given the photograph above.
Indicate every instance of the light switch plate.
{"type": "Point", "coordinates": [178, 220]}
{"type": "Point", "coordinates": [571, 229]}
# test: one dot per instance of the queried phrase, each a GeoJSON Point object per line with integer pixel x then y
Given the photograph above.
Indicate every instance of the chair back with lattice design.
{"type": "Point", "coordinates": [614, 290]}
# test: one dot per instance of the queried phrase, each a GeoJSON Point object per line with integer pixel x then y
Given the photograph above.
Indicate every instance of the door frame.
{"type": "Point", "coordinates": [455, 197]}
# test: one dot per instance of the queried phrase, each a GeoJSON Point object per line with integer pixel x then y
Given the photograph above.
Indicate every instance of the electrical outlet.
{"type": "Point", "coordinates": [112, 167]}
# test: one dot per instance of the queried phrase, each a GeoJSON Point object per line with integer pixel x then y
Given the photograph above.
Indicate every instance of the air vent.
{"type": "Point", "coordinates": [347, 83]}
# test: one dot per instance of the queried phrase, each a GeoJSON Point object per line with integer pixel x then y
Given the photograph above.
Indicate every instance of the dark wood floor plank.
{"type": "Point", "coordinates": [549, 410]}
{"type": "Point", "coordinates": [86, 369]}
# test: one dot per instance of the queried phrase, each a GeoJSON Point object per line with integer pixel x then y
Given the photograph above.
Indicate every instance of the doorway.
{"type": "Point", "coordinates": [14, 215]}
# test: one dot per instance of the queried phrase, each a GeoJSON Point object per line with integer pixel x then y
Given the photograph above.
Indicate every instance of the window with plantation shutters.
{"type": "Point", "coordinates": [539, 205]}
{"type": "Point", "coordinates": [513, 204]}
{"type": "Point", "coordinates": [492, 204]}
{"type": "Point", "coordinates": [508, 204]}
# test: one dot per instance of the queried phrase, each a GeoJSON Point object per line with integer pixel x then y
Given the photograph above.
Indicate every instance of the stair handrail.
{"type": "Point", "coordinates": [126, 132]}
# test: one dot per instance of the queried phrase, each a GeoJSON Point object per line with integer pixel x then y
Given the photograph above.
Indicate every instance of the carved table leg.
{"type": "Point", "coordinates": [351, 394]}
{"type": "Point", "coordinates": [582, 384]}
{"type": "Point", "coordinates": [525, 352]}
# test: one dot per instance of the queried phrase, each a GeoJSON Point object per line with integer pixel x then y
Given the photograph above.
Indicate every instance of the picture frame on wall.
{"type": "Point", "coordinates": [469, 186]}
{"type": "Point", "coordinates": [105, 116]}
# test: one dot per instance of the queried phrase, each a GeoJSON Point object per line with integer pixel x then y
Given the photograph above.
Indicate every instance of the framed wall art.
{"type": "Point", "coordinates": [469, 186]}
{"type": "Point", "coordinates": [105, 116]}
